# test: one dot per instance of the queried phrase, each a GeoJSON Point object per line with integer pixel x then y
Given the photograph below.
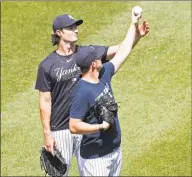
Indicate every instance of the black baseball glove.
{"type": "Point", "coordinates": [53, 165]}
{"type": "Point", "coordinates": [107, 112]}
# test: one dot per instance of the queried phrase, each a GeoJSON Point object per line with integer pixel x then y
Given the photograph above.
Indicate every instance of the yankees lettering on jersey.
{"type": "Point", "coordinates": [61, 73]}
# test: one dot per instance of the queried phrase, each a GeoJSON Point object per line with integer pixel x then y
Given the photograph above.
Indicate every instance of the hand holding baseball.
{"type": "Point", "coordinates": [136, 14]}
{"type": "Point", "coordinates": [143, 28]}
{"type": "Point", "coordinates": [137, 10]}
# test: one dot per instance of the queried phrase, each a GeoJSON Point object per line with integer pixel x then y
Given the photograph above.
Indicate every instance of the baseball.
{"type": "Point", "coordinates": [137, 10]}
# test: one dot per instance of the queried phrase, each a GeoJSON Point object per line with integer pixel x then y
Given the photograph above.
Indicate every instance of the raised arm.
{"type": "Point", "coordinates": [141, 31]}
{"type": "Point", "coordinates": [128, 43]}
{"type": "Point", "coordinates": [45, 114]}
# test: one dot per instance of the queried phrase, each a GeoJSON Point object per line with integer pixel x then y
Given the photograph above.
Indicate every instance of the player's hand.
{"type": "Point", "coordinates": [49, 143]}
{"type": "Point", "coordinates": [143, 29]}
{"type": "Point", "coordinates": [105, 125]}
{"type": "Point", "coordinates": [135, 18]}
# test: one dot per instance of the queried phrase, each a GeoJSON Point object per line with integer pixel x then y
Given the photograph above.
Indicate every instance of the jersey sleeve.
{"type": "Point", "coordinates": [79, 106]}
{"type": "Point", "coordinates": [107, 72]}
{"type": "Point", "coordinates": [43, 82]}
{"type": "Point", "coordinates": [104, 57]}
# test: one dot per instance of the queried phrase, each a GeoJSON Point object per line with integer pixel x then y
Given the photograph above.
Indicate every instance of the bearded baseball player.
{"type": "Point", "coordinates": [94, 110]}
{"type": "Point", "coordinates": [57, 76]}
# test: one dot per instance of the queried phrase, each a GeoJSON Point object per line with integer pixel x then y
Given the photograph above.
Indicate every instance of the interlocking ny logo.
{"type": "Point", "coordinates": [70, 17]}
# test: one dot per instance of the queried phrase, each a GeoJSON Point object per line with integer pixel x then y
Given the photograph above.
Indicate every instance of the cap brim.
{"type": "Point", "coordinates": [77, 22]}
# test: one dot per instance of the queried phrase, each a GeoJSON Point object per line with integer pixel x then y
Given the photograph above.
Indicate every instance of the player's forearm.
{"type": "Point", "coordinates": [113, 49]}
{"type": "Point", "coordinates": [125, 47]}
{"type": "Point", "coordinates": [45, 114]}
{"type": "Point", "coordinates": [131, 39]}
{"type": "Point", "coordinates": [127, 44]}
{"type": "Point", "coordinates": [136, 39]}
{"type": "Point", "coordinates": [45, 111]}
{"type": "Point", "coordinates": [84, 128]}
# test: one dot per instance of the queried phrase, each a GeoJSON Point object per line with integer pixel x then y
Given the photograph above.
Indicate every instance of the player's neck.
{"type": "Point", "coordinates": [92, 77]}
{"type": "Point", "coordinates": [66, 48]}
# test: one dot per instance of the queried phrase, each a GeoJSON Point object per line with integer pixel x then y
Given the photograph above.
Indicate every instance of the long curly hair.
{"type": "Point", "coordinates": [55, 39]}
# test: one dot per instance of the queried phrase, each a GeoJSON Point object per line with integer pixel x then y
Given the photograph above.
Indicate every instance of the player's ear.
{"type": "Point", "coordinates": [58, 32]}
{"type": "Point", "coordinates": [93, 64]}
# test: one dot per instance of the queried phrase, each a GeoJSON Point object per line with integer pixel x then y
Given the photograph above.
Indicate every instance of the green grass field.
{"type": "Point", "coordinates": [153, 86]}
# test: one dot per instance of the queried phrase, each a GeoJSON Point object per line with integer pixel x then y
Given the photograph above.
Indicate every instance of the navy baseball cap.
{"type": "Point", "coordinates": [65, 20]}
{"type": "Point", "coordinates": [88, 55]}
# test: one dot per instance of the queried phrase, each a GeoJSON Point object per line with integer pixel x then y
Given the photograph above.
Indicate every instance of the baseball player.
{"type": "Point", "coordinates": [57, 76]}
{"type": "Point", "coordinates": [100, 153]}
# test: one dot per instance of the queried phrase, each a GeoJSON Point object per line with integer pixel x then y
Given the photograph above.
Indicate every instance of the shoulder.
{"type": "Point", "coordinates": [81, 48]}
{"type": "Point", "coordinates": [108, 69]}
{"type": "Point", "coordinates": [109, 66]}
{"type": "Point", "coordinates": [81, 92]}
{"type": "Point", "coordinates": [48, 61]}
